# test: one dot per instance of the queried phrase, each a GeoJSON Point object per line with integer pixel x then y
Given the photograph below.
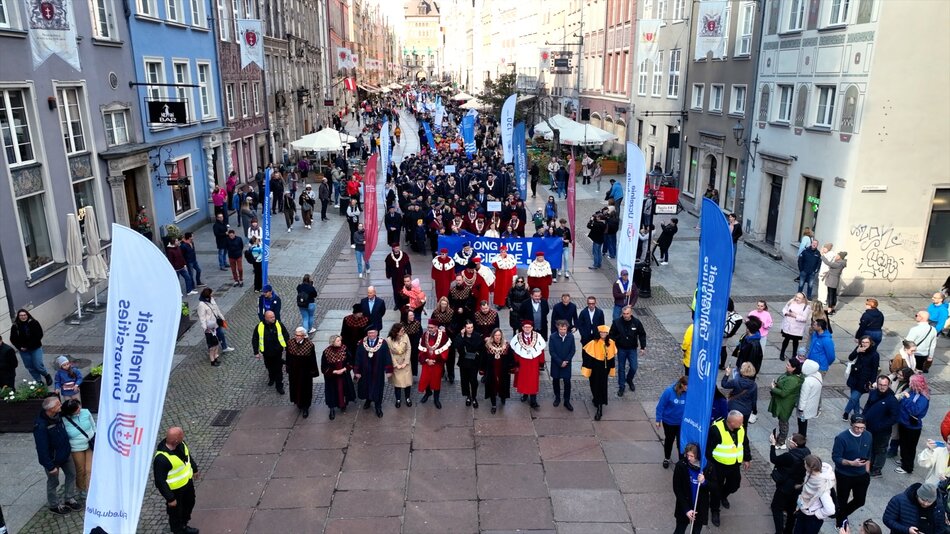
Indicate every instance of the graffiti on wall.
{"type": "Point", "coordinates": [879, 247]}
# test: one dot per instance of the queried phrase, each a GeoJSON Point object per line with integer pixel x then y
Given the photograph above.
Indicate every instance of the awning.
{"type": "Point", "coordinates": [368, 88]}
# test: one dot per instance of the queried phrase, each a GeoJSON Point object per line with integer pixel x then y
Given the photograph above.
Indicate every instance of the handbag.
{"type": "Point", "coordinates": [847, 369]}
{"type": "Point", "coordinates": [92, 440]}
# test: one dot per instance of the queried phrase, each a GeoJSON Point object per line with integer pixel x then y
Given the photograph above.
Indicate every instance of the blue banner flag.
{"type": "Point", "coordinates": [520, 159]}
{"type": "Point", "coordinates": [713, 285]}
{"type": "Point", "coordinates": [523, 249]}
{"type": "Point", "coordinates": [265, 226]}
{"type": "Point", "coordinates": [429, 137]}
{"type": "Point", "coordinates": [468, 134]}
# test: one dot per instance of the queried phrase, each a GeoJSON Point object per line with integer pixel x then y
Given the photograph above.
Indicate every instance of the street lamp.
{"type": "Point", "coordinates": [738, 131]}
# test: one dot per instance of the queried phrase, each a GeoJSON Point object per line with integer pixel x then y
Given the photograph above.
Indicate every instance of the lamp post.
{"type": "Point", "coordinates": [751, 148]}
{"type": "Point", "coordinates": [649, 208]}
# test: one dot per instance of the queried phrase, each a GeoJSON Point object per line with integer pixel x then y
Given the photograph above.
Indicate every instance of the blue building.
{"type": "Point", "coordinates": [173, 46]}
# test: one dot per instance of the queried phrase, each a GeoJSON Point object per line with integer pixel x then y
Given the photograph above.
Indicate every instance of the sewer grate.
{"type": "Point", "coordinates": [225, 417]}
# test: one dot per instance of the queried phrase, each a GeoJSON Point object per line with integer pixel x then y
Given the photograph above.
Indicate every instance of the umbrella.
{"type": "Point", "coordinates": [76, 281]}
{"type": "Point", "coordinates": [463, 96]}
{"type": "Point", "coordinates": [475, 104]}
{"type": "Point", "coordinates": [326, 140]}
{"type": "Point", "coordinates": [96, 267]}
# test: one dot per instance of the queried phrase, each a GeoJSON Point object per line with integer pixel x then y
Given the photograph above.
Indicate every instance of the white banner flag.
{"type": "Point", "coordinates": [628, 236]}
{"type": "Point", "coordinates": [52, 31]}
{"type": "Point", "coordinates": [710, 31]}
{"type": "Point", "coordinates": [141, 328]}
{"type": "Point", "coordinates": [544, 59]}
{"type": "Point", "coordinates": [252, 42]}
{"type": "Point", "coordinates": [384, 149]}
{"type": "Point", "coordinates": [648, 43]}
{"type": "Point", "coordinates": [342, 58]}
{"type": "Point", "coordinates": [508, 126]}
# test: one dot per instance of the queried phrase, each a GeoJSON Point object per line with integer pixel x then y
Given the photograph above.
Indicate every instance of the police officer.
{"type": "Point", "coordinates": [727, 447]}
{"type": "Point", "coordinates": [174, 471]}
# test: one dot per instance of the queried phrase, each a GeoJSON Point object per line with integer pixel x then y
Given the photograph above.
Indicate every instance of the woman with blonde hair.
{"type": "Point", "coordinates": [815, 502]}
{"type": "Point", "coordinates": [744, 391]}
{"type": "Point", "coordinates": [818, 312]}
{"type": "Point", "coordinates": [401, 352]}
{"type": "Point", "coordinates": [796, 317]}
{"type": "Point", "coordinates": [338, 384]}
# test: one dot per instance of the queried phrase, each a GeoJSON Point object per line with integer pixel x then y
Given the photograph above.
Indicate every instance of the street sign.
{"type": "Point", "coordinates": [167, 112]}
{"type": "Point", "coordinates": [665, 208]}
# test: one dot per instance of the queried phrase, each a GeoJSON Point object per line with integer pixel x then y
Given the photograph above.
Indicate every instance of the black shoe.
{"type": "Point", "coordinates": [715, 518]}
{"type": "Point", "coordinates": [270, 382]}
{"type": "Point", "coordinates": [557, 402]}
{"type": "Point", "coordinates": [722, 367]}
{"type": "Point", "coordinates": [366, 405]}
{"type": "Point", "coordinates": [524, 398]}
{"type": "Point", "coordinates": [875, 474]}
{"type": "Point", "coordinates": [630, 382]}
{"type": "Point", "coordinates": [62, 509]}
{"type": "Point", "coordinates": [332, 414]}
{"type": "Point", "coordinates": [280, 390]}
{"type": "Point", "coordinates": [494, 409]}
{"type": "Point", "coordinates": [409, 403]}
{"type": "Point", "coordinates": [49, 379]}
{"type": "Point", "coordinates": [468, 402]}
{"type": "Point", "coordinates": [451, 380]}
{"type": "Point", "coordinates": [424, 398]}
{"type": "Point", "coordinates": [438, 405]}
{"type": "Point", "coordinates": [534, 404]}
{"type": "Point", "coordinates": [306, 413]}
{"type": "Point", "coordinates": [844, 416]}
{"type": "Point", "coordinates": [503, 401]}
{"type": "Point", "coordinates": [796, 279]}
{"type": "Point", "coordinates": [73, 504]}
{"type": "Point", "coordinates": [379, 412]}
{"type": "Point", "coordinates": [781, 357]}
{"type": "Point", "coordinates": [633, 387]}
{"type": "Point", "coordinates": [475, 403]}
{"type": "Point", "coordinates": [599, 413]}
{"type": "Point", "coordinates": [398, 403]}
{"type": "Point", "coordinates": [191, 530]}
{"type": "Point", "coordinates": [567, 405]}
{"type": "Point", "coordinates": [725, 503]}
{"type": "Point", "coordinates": [666, 463]}
{"type": "Point", "coordinates": [620, 393]}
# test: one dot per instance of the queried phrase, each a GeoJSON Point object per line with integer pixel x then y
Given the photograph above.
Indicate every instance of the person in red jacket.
{"type": "Point", "coordinates": [177, 259]}
{"type": "Point", "coordinates": [433, 351]}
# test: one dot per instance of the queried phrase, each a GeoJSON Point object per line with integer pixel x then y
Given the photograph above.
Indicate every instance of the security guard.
{"type": "Point", "coordinates": [727, 447]}
{"type": "Point", "coordinates": [174, 471]}
{"type": "Point", "coordinates": [270, 339]}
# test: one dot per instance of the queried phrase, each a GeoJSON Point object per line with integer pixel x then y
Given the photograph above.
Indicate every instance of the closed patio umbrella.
{"type": "Point", "coordinates": [76, 280]}
{"type": "Point", "coordinates": [96, 267]}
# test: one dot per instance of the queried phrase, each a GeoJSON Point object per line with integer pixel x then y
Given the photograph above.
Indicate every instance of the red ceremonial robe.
{"type": "Point", "coordinates": [443, 274]}
{"type": "Point", "coordinates": [529, 356]}
{"type": "Point", "coordinates": [435, 348]}
{"type": "Point", "coordinates": [506, 269]}
{"type": "Point", "coordinates": [539, 275]}
{"type": "Point", "coordinates": [477, 284]}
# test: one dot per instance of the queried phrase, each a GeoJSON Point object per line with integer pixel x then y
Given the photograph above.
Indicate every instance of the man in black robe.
{"type": "Point", "coordinates": [374, 364]}
{"type": "Point", "coordinates": [393, 222]}
{"type": "Point", "coordinates": [397, 268]}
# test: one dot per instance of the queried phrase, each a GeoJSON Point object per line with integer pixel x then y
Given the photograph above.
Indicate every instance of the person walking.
{"type": "Point", "coordinates": [726, 449]}
{"type": "Point", "coordinates": [625, 293]}
{"type": "Point", "coordinates": [212, 319]}
{"type": "Point", "coordinates": [735, 228]}
{"type": "Point", "coordinates": [528, 347]}
{"type": "Point", "coordinates": [26, 335]}
{"type": "Point", "coordinates": [235, 248]}
{"type": "Point", "coordinates": [815, 503]}
{"type": "Point", "coordinates": [865, 363]}
{"type": "Point", "coordinates": [174, 469]}
{"type": "Point", "coordinates": [338, 384]}
{"type": "Point", "coordinates": [302, 368]}
{"type": "Point", "coordinates": [433, 351]}
{"type": "Point", "coordinates": [631, 342]}
{"type": "Point", "coordinates": [598, 366]}
{"type": "Point", "coordinates": [785, 390]}
{"type": "Point", "coordinates": [55, 454]}
{"type": "Point", "coordinates": [914, 404]}
{"type": "Point", "coordinates": [308, 200]}
{"type": "Point", "coordinates": [832, 278]}
{"type": "Point", "coordinates": [191, 258]}
{"type": "Point", "coordinates": [587, 171]}
{"type": "Point", "coordinates": [470, 347]}
{"type": "Point", "coordinates": [588, 320]}
{"type": "Point", "coordinates": [919, 509]}
{"type": "Point", "coordinates": [220, 231]}
{"type": "Point", "coordinates": [881, 413]}
{"type": "Point", "coordinates": [562, 349]}
{"type": "Point", "coordinates": [307, 303]}
{"type": "Point", "coordinates": [809, 398]}
{"type": "Point", "coordinates": [788, 474]}
{"type": "Point", "coordinates": [669, 415]}
{"type": "Point", "coordinates": [535, 173]}
{"type": "Point", "coordinates": [268, 301]}
{"type": "Point", "coordinates": [269, 341]}
{"type": "Point", "coordinates": [691, 491]}
{"type": "Point", "coordinates": [667, 231]}
{"type": "Point", "coordinates": [353, 213]}
{"type": "Point", "coordinates": [359, 244]}
{"type": "Point", "coordinates": [373, 368]}
{"type": "Point", "coordinates": [497, 367]}
{"type": "Point", "coordinates": [871, 323]}
{"type": "Point", "coordinates": [255, 256]}
{"type": "Point", "coordinates": [809, 261]}
{"type": "Point", "coordinates": [81, 429]}
{"type": "Point", "coordinates": [400, 349]}
{"type": "Point", "coordinates": [850, 452]}
{"type": "Point", "coordinates": [796, 317]}
{"type": "Point", "coordinates": [597, 235]}
{"type": "Point", "coordinates": [289, 208]}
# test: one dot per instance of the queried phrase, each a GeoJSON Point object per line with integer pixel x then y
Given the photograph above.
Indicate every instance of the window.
{"type": "Point", "coordinates": [173, 11]}
{"type": "Point", "coordinates": [642, 79]}
{"type": "Point", "coordinates": [180, 179]}
{"type": "Point", "coordinates": [117, 130]}
{"type": "Point", "coordinates": [937, 245]}
{"type": "Point", "coordinates": [715, 98]}
{"type": "Point", "coordinates": [698, 92]}
{"type": "Point", "coordinates": [661, 10]}
{"type": "Point", "coordinates": [658, 76]}
{"type": "Point", "coordinates": [811, 201]}
{"type": "Point", "coordinates": [839, 12]}
{"type": "Point", "coordinates": [679, 9]}
{"type": "Point", "coordinates": [103, 22]}
{"type": "Point", "coordinates": [244, 102]}
{"type": "Point", "coordinates": [229, 99]}
{"type": "Point", "coordinates": [198, 17]}
{"type": "Point", "coordinates": [257, 98]}
{"type": "Point", "coordinates": [647, 9]}
{"type": "Point", "coordinates": [737, 106]}
{"type": "Point", "coordinates": [35, 232]}
{"type": "Point", "coordinates": [673, 87]}
{"type": "Point", "coordinates": [70, 119]}
{"type": "Point", "coordinates": [206, 91]}
{"type": "Point", "coordinates": [784, 103]}
{"type": "Point", "coordinates": [826, 106]}
{"type": "Point", "coordinates": [155, 73]}
{"type": "Point", "coordinates": [726, 19]}
{"type": "Point", "coordinates": [795, 15]}
{"type": "Point", "coordinates": [224, 21]}
{"type": "Point", "coordinates": [744, 30]}
{"type": "Point", "coordinates": [693, 175]}
{"type": "Point", "coordinates": [148, 8]}
{"type": "Point", "coordinates": [15, 127]}
{"type": "Point", "coordinates": [183, 77]}
{"type": "Point", "coordinates": [729, 199]}
{"type": "Point", "coordinates": [7, 15]}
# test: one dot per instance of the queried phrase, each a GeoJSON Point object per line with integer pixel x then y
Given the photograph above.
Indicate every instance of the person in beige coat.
{"type": "Point", "coordinates": [832, 278]}
{"type": "Point", "coordinates": [400, 348]}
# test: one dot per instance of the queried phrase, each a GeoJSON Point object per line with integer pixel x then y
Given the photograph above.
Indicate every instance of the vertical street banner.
{"type": "Point", "coordinates": [632, 209]}
{"type": "Point", "coordinates": [52, 31]}
{"type": "Point", "coordinates": [439, 113]}
{"type": "Point", "coordinates": [710, 29]}
{"type": "Point", "coordinates": [572, 202]}
{"type": "Point", "coordinates": [142, 318]}
{"type": "Point", "coordinates": [429, 138]}
{"type": "Point", "coordinates": [265, 225]}
{"type": "Point", "coordinates": [369, 208]}
{"type": "Point", "coordinates": [251, 32]}
{"type": "Point", "coordinates": [712, 297]}
{"type": "Point", "coordinates": [520, 159]}
{"type": "Point", "coordinates": [508, 125]}
{"type": "Point", "coordinates": [648, 43]}
{"type": "Point", "coordinates": [383, 152]}
{"type": "Point", "coordinates": [468, 134]}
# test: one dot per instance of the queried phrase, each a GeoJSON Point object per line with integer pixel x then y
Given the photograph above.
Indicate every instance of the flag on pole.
{"type": "Point", "coordinates": [141, 328]}
{"type": "Point", "coordinates": [265, 225]}
{"type": "Point", "coordinates": [711, 30]}
{"type": "Point", "coordinates": [429, 137]}
{"type": "Point", "coordinates": [52, 30]}
{"type": "Point", "coordinates": [369, 204]}
{"type": "Point", "coordinates": [349, 84]}
{"type": "Point", "coordinates": [384, 152]}
{"type": "Point", "coordinates": [648, 44]}
{"type": "Point", "coordinates": [632, 207]}
{"type": "Point", "coordinates": [252, 45]}
{"type": "Point", "coordinates": [508, 125]}
{"type": "Point", "coordinates": [712, 297]}
{"type": "Point", "coordinates": [468, 134]}
{"type": "Point", "coordinates": [572, 202]}
{"type": "Point", "coordinates": [521, 159]}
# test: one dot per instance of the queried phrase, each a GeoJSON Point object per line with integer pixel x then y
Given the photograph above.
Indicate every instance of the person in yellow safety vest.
{"type": "Point", "coordinates": [270, 340]}
{"type": "Point", "coordinates": [174, 471]}
{"type": "Point", "coordinates": [727, 446]}
{"type": "Point", "coordinates": [687, 346]}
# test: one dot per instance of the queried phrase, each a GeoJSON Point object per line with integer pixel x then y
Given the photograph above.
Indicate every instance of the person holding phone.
{"type": "Point", "coordinates": [851, 451]}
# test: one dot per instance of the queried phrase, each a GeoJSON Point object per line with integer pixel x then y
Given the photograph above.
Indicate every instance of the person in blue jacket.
{"type": "Point", "coordinates": [744, 392]}
{"type": "Point", "coordinates": [821, 349]}
{"type": "Point", "coordinates": [863, 373]}
{"type": "Point", "coordinates": [919, 508]}
{"type": "Point", "coordinates": [881, 413]}
{"type": "Point", "coordinates": [669, 415]}
{"type": "Point", "coordinates": [268, 301]}
{"type": "Point", "coordinates": [914, 402]}
{"type": "Point", "coordinates": [55, 455]}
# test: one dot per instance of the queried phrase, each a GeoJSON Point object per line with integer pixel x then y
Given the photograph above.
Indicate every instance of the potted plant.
{"type": "Point", "coordinates": [186, 320]}
{"type": "Point", "coordinates": [18, 408]}
{"type": "Point", "coordinates": [610, 165]}
{"type": "Point", "coordinates": [90, 387]}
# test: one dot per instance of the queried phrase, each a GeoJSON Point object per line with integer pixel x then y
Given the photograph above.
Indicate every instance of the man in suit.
{"type": "Point", "coordinates": [537, 311]}
{"type": "Point", "coordinates": [588, 320]}
{"type": "Point", "coordinates": [373, 308]}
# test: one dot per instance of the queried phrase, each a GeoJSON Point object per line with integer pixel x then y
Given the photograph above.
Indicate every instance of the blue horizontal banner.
{"type": "Point", "coordinates": [522, 248]}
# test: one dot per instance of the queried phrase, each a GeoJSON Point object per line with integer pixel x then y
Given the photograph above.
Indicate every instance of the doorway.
{"type": "Point", "coordinates": [132, 200]}
{"type": "Point", "coordinates": [775, 201]}
{"type": "Point", "coordinates": [713, 166]}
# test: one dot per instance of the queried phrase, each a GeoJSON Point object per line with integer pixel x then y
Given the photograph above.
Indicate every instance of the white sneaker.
{"type": "Point", "coordinates": [229, 349]}
{"type": "Point", "coordinates": [753, 419]}
{"type": "Point", "coordinates": [352, 246]}
{"type": "Point", "coordinates": [312, 330]}
{"type": "Point", "coordinates": [361, 275]}
{"type": "Point", "coordinates": [193, 292]}
{"type": "Point", "coordinates": [567, 275]}
{"type": "Point", "coordinates": [288, 230]}
{"type": "Point", "coordinates": [664, 263]}
{"type": "Point", "coordinates": [781, 447]}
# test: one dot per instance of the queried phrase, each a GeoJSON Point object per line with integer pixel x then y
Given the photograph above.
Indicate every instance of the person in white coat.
{"type": "Point", "coordinates": [809, 398]}
{"type": "Point", "coordinates": [815, 502]}
{"type": "Point", "coordinates": [827, 252]}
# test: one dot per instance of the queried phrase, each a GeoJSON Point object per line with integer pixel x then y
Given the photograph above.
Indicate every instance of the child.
{"type": "Point", "coordinates": [67, 379]}
{"type": "Point", "coordinates": [417, 297]}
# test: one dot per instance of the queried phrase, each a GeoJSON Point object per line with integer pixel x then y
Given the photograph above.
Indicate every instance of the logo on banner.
{"type": "Point", "coordinates": [251, 49]}
{"type": "Point", "coordinates": [712, 24]}
{"type": "Point", "coordinates": [165, 112]}
{"type": "Point", "coordinates": [250, 37]}
{"type": "Point", "coordinates": [123, 434]}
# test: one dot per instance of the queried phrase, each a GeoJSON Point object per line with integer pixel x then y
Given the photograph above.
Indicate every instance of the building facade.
{"type": "Point", "coordinates": [422, 48]}
{"type": "Point", "coordinates": [609, 27]}
{"type": "Point", "coordinates": [840, 153]}
{"type": "Point", "coordinates": [59, 124]}
{"type": "Point", "coordinates": [718, 99]}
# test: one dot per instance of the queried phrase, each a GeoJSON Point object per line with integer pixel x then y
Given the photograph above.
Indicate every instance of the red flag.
{"type": "Point", "coordinates": [349, 84]}
{"type": "Point", "coordinates": [371, 217]}
{"type": "Point", "coordinates": [571, 202]}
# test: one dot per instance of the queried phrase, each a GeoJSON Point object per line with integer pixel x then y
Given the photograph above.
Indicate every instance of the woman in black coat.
{"type": "Point", "coordinates": [497, 367]}
{"type": "Point", "coordinates": [470, 348]}
{"type": "Point", "coordinates": [516, 297]}
{"type": "Point", "coordinates": [863, 373]}
{"type": "Point", "coordinates": [686, 475]}
{"type": "Point", "coordinates": [666, 239]}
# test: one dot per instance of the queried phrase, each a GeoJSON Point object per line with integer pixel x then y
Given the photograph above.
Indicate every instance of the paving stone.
{"type": "Point", "coordinates": [309, 463]}
{"type": "Point", "coordinates": [625, 430]}
{"type": "Point", "coordinates": [510, 514]}
{"type": "Point", "coordinates": [376, 525]}
{"type": "Point", "coordinates": [503, 427]}
{"type": "Point", "coordinates": [443, 438]}
{"type": "Point", "coordinates": [445, 517]}
{"type": "Point", "coordinates": [222, 520]}
{"type": "Point", "coordinates": [367, 503]}
{"type": "Point", "coordinates": [322, 436]}
{"type": "Point", "coordinates": [256, 441]}
{"type": "Point", "coordinates": [633, 452]}
{"type": "Point", "coordinates": [228, 493]}
{"type": "Point", "coordinates": [376, 458]}
{"type": "Point", "coordinates": [442, 484]}
{"type": "Point", "coordinates": [290, 521]}
{"type": "Point", "coordinates": [570, 448]}
{"type": "Point", "coordinates": [442, 459]}
{"type": "Point", "coordinates": [268, 417]}
{"type": "Point", "coordinates": [595, 528]}
{"type": "Point", "coordinates": [298, 492]}
{"type": "Point", "coordinates": [507, 450]}
{"type": "Point", "coordinates": [652, 510]}
{"type": "Point", "coordinates": [579, 505]}
{"type": "Point", "coordinates": [641, 478]}
{"type": "Point", "coordinates": [519, 481]}
{"type": "Point", "coordinates": [367, 480]}
{"type": "Point", "coordinates": [513, 409]}
{"type": "Point", "coordinates": [564, 427]}
{"type": "Point", "coordinates": [381, 435]}
{"type": "Point", "coordinates": [579, 475]}
{"type": "Point", "coordinates": [242, 466]}
{"type": "Point", "coordinates": [452, 414]}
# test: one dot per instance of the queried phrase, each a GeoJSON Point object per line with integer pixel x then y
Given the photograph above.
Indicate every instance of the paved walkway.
{"type": "Point", "coordinates": [455, 470]}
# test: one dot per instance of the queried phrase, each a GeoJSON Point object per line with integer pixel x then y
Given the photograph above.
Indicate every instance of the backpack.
{"type": "Point", "coordinates": [733, 324]}
{"type": "Point", "coordinates": [302, 298]}
{"type": "Point", "coordinates": [249, 256]}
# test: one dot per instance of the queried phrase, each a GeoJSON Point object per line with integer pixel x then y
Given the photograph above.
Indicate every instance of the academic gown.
{"type": "Point", "coordinates": [338, 388]}
{"type": "Point", "coordinates": [443, 274]}
{"type": "Point", "coordinates": [505, 273]}
{"type": "Point", "coordinates": [396, 271]}
{"type": "Point", "coordinates": [352, 331]}
{"type": "Point", "coordinates": [433, 348]}
{"type": "Point", "coordinates": [372, 368]}
{"type": "Point", "coordinates": [598, 366]}
{"type": "Point", "coordinates": [529, 357]}
{"type": "Point", "coordinates": [301, 370]}
{"type": "Point", "coordinates": [497, 370]}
